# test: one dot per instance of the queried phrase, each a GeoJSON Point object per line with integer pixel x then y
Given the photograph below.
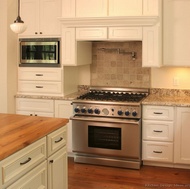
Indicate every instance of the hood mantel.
{"type": "Point", "coordinates": [110, 21]}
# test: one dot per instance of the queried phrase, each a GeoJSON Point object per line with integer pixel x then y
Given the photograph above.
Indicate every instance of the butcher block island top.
{"type": "Point", "coordinates": [19, 131]}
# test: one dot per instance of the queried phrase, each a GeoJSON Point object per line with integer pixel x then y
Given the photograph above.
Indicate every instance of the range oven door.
{"type": "Point", "coordinates": [111, 137]}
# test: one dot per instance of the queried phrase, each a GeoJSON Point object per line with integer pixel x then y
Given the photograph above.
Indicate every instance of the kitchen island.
{"type": "Point", "coordinates": [32, 145]}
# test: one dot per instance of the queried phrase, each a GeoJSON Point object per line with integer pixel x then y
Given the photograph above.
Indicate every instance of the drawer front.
{"type": "Point", "coordinates": [91, 33]}
{"type": "Point", "coordinates": [158, 151]}
{"type": "Point", "coordinates": [34, 105]}
{"type": "Point", "coordinates": [56, 140]}
{"type": "Point", "coordinates": [129, 33]}
{"type": "Point", "coordinates": [158, 112]}
{"type": "Point", "coordinates": [31, 87]}
{"type": "Point", "coordinates": [37, 178]}
{"type": "Point", "coordinates": [40, 74]}
{"type": "Point", "coordinates": [23, 161]}
{"type": "Point", "coordinates": [158, 130]}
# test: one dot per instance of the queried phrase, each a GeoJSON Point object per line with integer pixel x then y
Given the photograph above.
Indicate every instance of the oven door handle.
{"type": "Point", "coordinates": [103, 119]}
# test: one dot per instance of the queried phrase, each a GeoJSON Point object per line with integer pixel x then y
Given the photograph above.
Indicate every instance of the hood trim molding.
{"type": "Point", "coordinates": [111, 21]}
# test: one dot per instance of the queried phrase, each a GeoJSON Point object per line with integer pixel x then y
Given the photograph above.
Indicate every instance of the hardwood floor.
{"type": "Point", "coordinates": [83, 176]}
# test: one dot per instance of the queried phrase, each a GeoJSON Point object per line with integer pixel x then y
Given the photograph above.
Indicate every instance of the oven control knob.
{"type": "Point", "coordinates": [77, 110]}
{"type": "Point", "coordinates": [83, 110]}
{"type": "Point", "coordinates": [97, 111]}
{"type": "Point", "coordinates": [134, 113]}
{"type": "Point", "coordinates": [120, 112]}
{"type": "Point", "coordinates": [127, 113]}
{"type": "Point", "coordinates": [90, 110]}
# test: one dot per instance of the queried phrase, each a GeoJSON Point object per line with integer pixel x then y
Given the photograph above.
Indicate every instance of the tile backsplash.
{"type": "Point", "coordinates": [110, 68]}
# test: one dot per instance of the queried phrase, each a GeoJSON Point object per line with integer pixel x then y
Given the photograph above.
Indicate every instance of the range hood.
{"type": "Point", "coordinates": [111, 21]}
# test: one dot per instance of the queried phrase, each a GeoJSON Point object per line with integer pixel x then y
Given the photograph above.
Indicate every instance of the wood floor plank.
{"type": "Point", "coordinates": [83, 176]}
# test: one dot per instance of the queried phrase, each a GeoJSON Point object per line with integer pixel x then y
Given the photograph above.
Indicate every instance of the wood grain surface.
{"type": "Point", "coordinates": [19, 131]}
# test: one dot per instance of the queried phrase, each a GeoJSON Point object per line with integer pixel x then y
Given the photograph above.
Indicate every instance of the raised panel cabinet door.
{"type": "Point", "coordinates": [29, 10]}
{"type": "Point", "coordinates": [125, 7]}
{"type": "Point", "coordinates": [91, 8]}
{"type": "Point", "coordinates": [57, 170]}
{"type": "Point", "coordinates": [182, 138]}
{"type": "Point", "coordinates": [50, 11]}
{"type": "Point", "coordinates": [176, 32]}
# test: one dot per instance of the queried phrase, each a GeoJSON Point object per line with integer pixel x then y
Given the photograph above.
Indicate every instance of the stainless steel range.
{"type": "Point", "coordinates": [106, 127]}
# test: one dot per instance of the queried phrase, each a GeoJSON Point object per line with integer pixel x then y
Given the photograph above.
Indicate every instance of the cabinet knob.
{"type": "Point", "coordinates": [40, 32]}
{"type": "Point", "coordinates": [51, 161]}
{"type": "Point", "coordinates": [36, 32]}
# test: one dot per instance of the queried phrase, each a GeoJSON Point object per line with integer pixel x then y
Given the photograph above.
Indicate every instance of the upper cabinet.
{"type": "Point", "coordinates": [41, 17]}
{"type": "Point", "coordinates": [110, 8]}
{"type": "Point", "coordinates": [176, 33]}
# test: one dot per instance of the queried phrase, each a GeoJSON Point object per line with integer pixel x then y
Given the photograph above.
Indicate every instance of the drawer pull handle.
{"type": "Point", "coordinates": [57, 141]}
{"type": "Point", "coordinates": [156, 131]}
{"type": "Point", "coordinates": [157, 152]}
{"type": "Point", "coordinates": [39, 87]}
{"type": "Point", "coordinates": [25, 162]}
{"type": "Point", "coordinates": [39, 75]}
{"type": "Point", "coordinates": [158, 113]}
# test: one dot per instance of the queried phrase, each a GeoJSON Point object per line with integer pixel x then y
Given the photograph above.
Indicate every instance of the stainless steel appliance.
{"type": "Point", "coordinates": [106, 127]}
{"type": "Point", "coordinates": [40, 52]}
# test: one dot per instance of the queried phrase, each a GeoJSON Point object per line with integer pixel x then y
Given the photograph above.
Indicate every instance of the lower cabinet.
{"type": "Point", "coordinates": [41, 165]}
{"type": "Point", "coordinates": [182, 136]}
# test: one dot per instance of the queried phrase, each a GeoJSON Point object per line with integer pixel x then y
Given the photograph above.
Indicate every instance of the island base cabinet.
{"type": "Point", "coordinates": [57, 170]}
{"type": "Point", "coordinates": [35, 179]}
{"type": "Point", "coordinates": [182, 138]}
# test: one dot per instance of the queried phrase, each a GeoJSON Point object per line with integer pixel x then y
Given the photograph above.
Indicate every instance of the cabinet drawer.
{"type": "Point", "coordinates": [157, 130]}
{"type": "Point", "coordinates": [37, 178]}
{"type": "Point", "coordinates": [91, 33]}
{"type": "Point", "coordinates": [56, 140]}
{"type": "Point", "coordinates": [39, 105]}
{"type": "Point", "coordinates": [32, 87]}
{"type": "Point", "coordinates": [129, 33]}
{"type": "Point", "coordinates": [39, 74]}
{"type": "Point", "coordinates": [158, 151]}
{"type": "Point", "coordinates": [158, 112]}
{"type": "Point", "coordinates": [22, 161]}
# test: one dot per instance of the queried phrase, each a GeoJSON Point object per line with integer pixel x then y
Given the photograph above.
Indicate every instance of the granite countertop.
{"type": "Point", "coordinates": [168, 97]}
{"type": "Point", "coordinates": [19, 131]}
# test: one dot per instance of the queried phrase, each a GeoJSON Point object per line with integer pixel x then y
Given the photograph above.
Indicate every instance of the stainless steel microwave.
{"type": "Point", "coordinates": [40, 52]}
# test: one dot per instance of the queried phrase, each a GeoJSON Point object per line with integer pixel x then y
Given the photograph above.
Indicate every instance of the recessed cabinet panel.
{"type": "Point", "coordinates": [125, 7]}
{"type": "Point", "coordinates": [176, 33]}
{"type": "Point", "coordinates": [127, 33]}
{"type": "Point", "coordinates": [91, 8]}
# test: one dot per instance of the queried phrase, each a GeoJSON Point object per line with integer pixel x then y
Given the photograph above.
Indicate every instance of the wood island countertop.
{"type": "Point", "coordinates": [19, 131]}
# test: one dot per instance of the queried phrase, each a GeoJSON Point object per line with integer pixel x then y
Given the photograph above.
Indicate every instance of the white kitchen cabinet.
{"type": "Point", "coordinates": [176, 33]}
{"type": "Point", "coordinates": [23, 161]}
{"type": "Point", "coordinates": [41, 81]}
{"type": "Point", "coordinates": [64, 109]}
{"type": "Point", "coordinates": [182, 139]}
{"type": "Point", "coordinates": [41, 17]}
{"type": "Point", "coordinates": [35, 107]}
{"type": "Point", "coordinates": [57, 170]}
{"type": "Point", "coordinates": [110, 8]}
{"type": "Point", "coordinates": [152, 46]}
{"type": "Point", "coordinates": [91, 8]}
{"type": "Point", "coordinates": [37, 178]}
{"type": "Point", "coordinates": [125, 7]}
{"type": "Point", "coordinates": [75, 53]}
{"type": "Point", "coordinates": [157, 134]}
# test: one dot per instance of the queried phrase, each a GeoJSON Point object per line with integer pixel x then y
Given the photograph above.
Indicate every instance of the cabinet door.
{"type": "Point", "coordinates": [50, 11]}
{"type": "Point", "coordinates": [176, 33]}
{"type": "Point", "coordinates": [91, 8]}
{"type": "Point", "coordinates": [152, 46]}
{"type": "Point", "coordinates": [57, 170]}
{"type": "Point", "coordinates": [37, 178]}
{"type": "Point", "coordinates": [182, 139]}
{"type": "Point", "coordinates": [64, 109]}
{"type": "Point", "coordinates": [151, 7]}
{"type": "Point", "coordinates": [125, 7]}
{"type": "Point", "coordinates": [30, 15]}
